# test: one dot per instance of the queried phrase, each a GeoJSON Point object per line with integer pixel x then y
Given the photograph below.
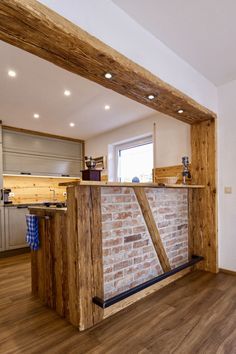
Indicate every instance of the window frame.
{"type": "Point", "coordinates": [129, 145]}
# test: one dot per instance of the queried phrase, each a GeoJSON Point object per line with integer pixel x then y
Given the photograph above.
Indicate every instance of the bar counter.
{"type": "Point", "coordinates": [110, 240]}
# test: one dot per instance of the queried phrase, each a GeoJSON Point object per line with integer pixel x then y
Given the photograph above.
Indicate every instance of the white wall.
{"type": "Point", "coordinates": [173, 138]}
{"type": "Point", "coordinates": [227, 175]}
{"type": "Point", "coordinates": [113, 26]}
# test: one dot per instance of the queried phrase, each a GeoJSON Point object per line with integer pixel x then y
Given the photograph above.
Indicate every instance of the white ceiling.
{"type": "Point", "coordinates": [202, 32]}
{"type": "Point", "coordinates": [39, 88]}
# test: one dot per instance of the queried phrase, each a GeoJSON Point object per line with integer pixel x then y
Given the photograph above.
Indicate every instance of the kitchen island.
{"type": "Point", "coordinates": [114, 244]}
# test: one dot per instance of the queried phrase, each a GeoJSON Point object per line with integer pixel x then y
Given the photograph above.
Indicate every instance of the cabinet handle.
{"type": "Point", "coordinates": [65, 175]}
{"type": "Point", "coordinates": [22, 207]}
{"type": "Point", "coordinates": [26, 173]}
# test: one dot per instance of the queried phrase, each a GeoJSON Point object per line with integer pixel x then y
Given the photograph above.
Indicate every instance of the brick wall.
{"type": "Point", "coordinates": [128, 255]}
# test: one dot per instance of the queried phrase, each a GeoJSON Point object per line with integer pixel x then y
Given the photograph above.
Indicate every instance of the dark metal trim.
{"type": "Point", "coordinates": [113, 300]}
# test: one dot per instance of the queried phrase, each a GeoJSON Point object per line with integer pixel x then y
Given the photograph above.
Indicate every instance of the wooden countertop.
{"type": "Point", "coordinates": [127, 184]}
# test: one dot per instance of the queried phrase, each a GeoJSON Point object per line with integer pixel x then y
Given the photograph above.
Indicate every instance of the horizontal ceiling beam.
{"type": "Point", "coordinates": [33, 27]}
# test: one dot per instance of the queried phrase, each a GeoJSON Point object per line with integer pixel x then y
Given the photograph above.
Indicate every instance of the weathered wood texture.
{"type": "Point", "coordinates": [67, 270]}
{"type": "Point", "coordinates": [89, 254]}
{"type": "Point", "coordinates": [33, 27]}
{"type": "Point", "coordinates": [31, 189]}
{"type": "Point", "coordinates": [49, 263]}
{"type": "Point", "coordinates": [168, 171]}
{"type": "Point", "coordinates": [129, 184]}
{"type": "Point", "coordinates": [203, 203]}
{"type": "Point", "coordinates": [195, 314]}
{"type": "Point", "coordinates": [152, 228]}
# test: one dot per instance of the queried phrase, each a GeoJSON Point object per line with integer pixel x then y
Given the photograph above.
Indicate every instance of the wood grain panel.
{"type": "Point", "coordinates": [33, 27]}
{"type": "Point", "coordinates": [72, 251]}
{"type": "Point", "coordinates": [203, 204]}
{"type": "Point", "coordinates": [67, 270]}
{"type": "Point", "coordinates": [97, 251]}
{"type": "Point", "coordinates": [152, 228]}
{"type": "Point", "coordinates": [30, 189]}
{"type": "Point", "coordinates": [49, 265]}
{"type": "Point", "coordinates": [85, 280]}
{"type": "Point", "coordinates": [168, 171]}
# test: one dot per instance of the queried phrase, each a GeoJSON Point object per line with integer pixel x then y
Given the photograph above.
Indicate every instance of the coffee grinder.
{"type": "Point", "coordinates": [186, 172]}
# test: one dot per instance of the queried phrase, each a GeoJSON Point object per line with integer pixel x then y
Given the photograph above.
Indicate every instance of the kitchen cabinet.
{"type": "Point", "coordinates": [15, 227]}
{"type": "Point", "coordinates": [40, 155]}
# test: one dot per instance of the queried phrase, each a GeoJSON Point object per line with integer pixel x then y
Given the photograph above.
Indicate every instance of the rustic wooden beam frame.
{"type": "Point", "coordinates": [33, 27]}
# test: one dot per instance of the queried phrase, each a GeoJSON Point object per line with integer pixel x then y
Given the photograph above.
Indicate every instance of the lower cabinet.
{"type": "Point", "coordinates": [15, 227]}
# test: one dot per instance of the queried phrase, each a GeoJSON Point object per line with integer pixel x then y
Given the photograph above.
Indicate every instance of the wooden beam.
{"type": "Point", "coordinates": [72, 250]}
{"type": "Point", "coordinates": [203, 204]}
{"type": "Point", "coordinates": [31, 26]}
{"type": "Point", "coordinates": [89, 254]}
{"type": "Point", "coordinates": [152, 228]}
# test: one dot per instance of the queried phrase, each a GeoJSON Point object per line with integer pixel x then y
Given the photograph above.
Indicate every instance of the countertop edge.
{"type": "Point", "coordinates": [127, 184]}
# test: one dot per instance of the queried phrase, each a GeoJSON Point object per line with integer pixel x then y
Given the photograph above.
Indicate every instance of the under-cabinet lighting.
{"type": "Point", "coordinates": [180, 111]}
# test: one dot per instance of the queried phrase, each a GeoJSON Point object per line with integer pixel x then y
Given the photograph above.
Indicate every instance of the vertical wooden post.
{"type": "Point", "coordinates": [72, 259]}
{"type": "Point", "coordinates": [85, 255]}
{"type": "Point", "coordinates": [203, 203]}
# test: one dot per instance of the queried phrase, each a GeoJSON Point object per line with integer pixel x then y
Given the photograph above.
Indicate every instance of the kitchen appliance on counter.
{"type": "Point", "coordinates": [91, 174]}
{"type": "Point", "coordinates": [5, 195]}
{"type": "Point", "coordinates": [186, 174]}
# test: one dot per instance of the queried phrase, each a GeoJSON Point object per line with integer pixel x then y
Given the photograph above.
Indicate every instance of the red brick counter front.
{"type": "Point", "coordinates": [129, 257]}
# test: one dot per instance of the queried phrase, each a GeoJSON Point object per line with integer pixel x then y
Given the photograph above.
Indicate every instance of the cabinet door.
{"type": "Point", "coordinates": [41, 165]}
{"type": "Point", "coordinates": [15, 227]}
{"type": "Point", "coordinates": [2, 234]}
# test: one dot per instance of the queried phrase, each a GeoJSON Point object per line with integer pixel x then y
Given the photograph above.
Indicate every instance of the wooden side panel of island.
{"type": "Point", "coordinates": [67, 270]}
{"type": "Point", "coordinates": [49, 264]}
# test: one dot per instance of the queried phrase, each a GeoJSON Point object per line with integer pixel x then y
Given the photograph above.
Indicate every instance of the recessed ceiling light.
{"type": "Point", "coordinates": [11, 73]}
{"type": "Point", "coordinates": [67, 93]}
{"type": "Point", "coordinates": [72, 124]}
{"type": "Point", "coordinates": [180, 111]}
{"type": "Point", "coordinates": [151, 97]}
{"type": "Point", "coordinates": [107, 107]}
{"type": "Point", "coordinates": [36, 115]}
{"type": "Point", "coordinates": [108, 75]}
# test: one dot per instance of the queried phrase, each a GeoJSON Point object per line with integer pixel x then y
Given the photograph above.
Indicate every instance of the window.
{"type": "Point", "coordinates": [135, 159]}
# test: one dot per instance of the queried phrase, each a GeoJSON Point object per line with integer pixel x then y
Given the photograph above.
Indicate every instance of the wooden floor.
{"type": "Point", "coordinates": [197, 314]}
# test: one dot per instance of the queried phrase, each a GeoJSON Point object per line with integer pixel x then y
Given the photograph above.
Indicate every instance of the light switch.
{"type": "Point", "coordinates": [228, 190]}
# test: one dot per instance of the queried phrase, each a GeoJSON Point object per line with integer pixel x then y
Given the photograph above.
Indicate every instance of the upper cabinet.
{"type": "Point", "coordinates": [25, 153]}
